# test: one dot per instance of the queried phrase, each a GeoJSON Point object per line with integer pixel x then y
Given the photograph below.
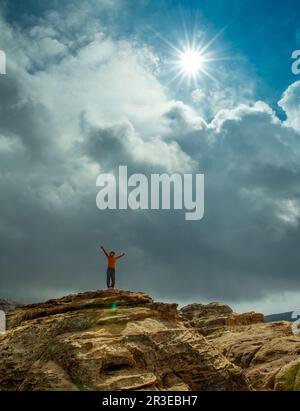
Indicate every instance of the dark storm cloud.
{"type": "Point", "coordinates": [61, 126]}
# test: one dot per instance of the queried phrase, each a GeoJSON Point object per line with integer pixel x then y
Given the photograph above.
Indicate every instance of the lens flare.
{"type": "Point", "coordinates": [194, 58]}
{"type": "Point", "coordinates": [191, 62]}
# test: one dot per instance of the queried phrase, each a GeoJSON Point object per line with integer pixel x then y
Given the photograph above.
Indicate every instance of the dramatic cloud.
{"type": "Point", "coordinates": [75, 105]}
{"type": "Point", "coordinates": [290, 103]}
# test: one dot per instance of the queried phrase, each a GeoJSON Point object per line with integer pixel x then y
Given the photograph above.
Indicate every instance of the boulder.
{"type": "Point", "coordinates": [212, 317]}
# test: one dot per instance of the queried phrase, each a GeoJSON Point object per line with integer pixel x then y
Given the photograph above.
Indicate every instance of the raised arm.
{"type": "Point", "coordinates": [105, 252]}
{"type": "Point", "coordinates": [120, 256]}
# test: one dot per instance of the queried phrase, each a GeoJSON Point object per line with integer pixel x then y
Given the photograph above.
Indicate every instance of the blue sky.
{"type": "Point", "coordinates": [262, 32]}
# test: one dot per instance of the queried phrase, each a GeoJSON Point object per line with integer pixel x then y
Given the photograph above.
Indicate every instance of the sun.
{"type": "Point", "coordinates": [191, 62]}
{"type": "Point", "coordinates": [194, 58]}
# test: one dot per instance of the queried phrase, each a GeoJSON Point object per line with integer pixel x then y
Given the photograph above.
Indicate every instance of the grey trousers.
{"type": "Point", "coordinates": [110, 277]}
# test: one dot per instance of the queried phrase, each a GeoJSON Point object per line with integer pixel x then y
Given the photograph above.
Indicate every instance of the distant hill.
{"type": "Point", "coordinates": [7, 305]}
{"type": "Point", "coordinates": [279, 317]}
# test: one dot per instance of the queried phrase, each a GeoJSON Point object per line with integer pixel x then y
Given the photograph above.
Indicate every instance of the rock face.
{"type": "Point", "coordinates": [269, 353]}
{"type": "Point", "coordinates": [110, 340]}
{"type": "Point", "coordinates": [215, 316]}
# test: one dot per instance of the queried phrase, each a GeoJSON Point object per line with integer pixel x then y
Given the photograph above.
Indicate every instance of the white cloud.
{"type": "Point", "coordinates": [290, 103]}
{"type": "Point", "coordinates": [289, 211]}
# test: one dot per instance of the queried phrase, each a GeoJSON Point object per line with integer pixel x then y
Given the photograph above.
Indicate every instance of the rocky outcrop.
{"type": "Point", "coordinates": [215, 316]}
{"type": "Point", "coordinates": [269, 353]}
{"type": "Point", "coordinates": [121, 340]}
{"type": "Point", "coordinates": [110, 340]}
{"type": "Point", "coordinates": [265, 351]}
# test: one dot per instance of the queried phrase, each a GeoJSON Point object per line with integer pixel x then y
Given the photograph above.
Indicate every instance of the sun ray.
{"type": "Point", "coordinates": [193, 57]}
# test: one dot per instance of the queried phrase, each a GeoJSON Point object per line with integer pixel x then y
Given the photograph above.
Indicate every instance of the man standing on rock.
{"type": "Point", "coordinates": [111, 267]}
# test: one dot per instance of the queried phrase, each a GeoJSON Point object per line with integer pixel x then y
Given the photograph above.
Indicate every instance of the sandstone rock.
{"type": "Point", "coordinates": [213, 317]}
{"type": "Point", "coordinates": [269, 353]}
{"type": "Point", "coordinates": [288, 378]}
{"type": "Point", "coordinates": [110, 340]}
{"type": "Point", "coordinates": [195, 311]}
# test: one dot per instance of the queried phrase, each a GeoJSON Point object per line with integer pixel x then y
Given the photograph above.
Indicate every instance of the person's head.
{"type": "Point", "coordinates": [112, 253]}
